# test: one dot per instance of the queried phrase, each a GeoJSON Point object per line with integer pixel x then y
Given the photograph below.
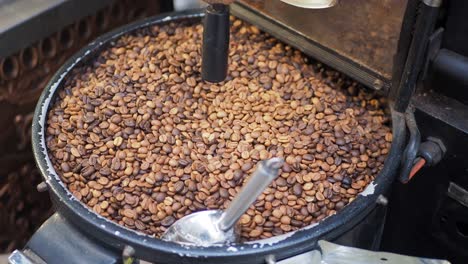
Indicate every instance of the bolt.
{"type": "Point", "coordinates": [42, 187]}
{"type": "Point", "coordinates": [438, 142]}
{"type": "Point", "coordinates": [127, 255]}
{"type": "Point", "coordinates": [270, 259]}
{"type": "Point", "coordinates": [128, 251]}
{"type": "Point", "coordinates": [382, 200]}
{"type": "Point", "coordinates": [378, 84]}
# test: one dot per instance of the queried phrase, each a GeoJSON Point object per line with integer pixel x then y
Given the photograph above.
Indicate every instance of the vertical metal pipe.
{"type": "Point", "coordinates": [215, 43]}
{"type": "Point", "coordinates": [425, 24]}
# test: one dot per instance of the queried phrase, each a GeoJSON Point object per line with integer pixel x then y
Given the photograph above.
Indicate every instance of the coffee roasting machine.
{"type": "Point", "coordinates": [414, 52]}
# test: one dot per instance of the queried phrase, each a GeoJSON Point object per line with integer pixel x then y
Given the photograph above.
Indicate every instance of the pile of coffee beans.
{"type": "Point", "coordinates": [138, 136]}
{"type": "Point", "coordinates": [22, 208]}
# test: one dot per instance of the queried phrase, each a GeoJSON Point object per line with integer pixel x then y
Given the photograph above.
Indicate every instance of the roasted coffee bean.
{"type": "Point", "coordinates": [297, 189]}
{"type": "Point", "coordinates": [141, 139]}
{"type": "Point", "coordinates": [178, 186]}
{"type": "Point", "coordinates": [347, 181]}
{"type": "Point", "coordinates": [167, 221]}
{"type": "Point", "coordinates": [87, 171]}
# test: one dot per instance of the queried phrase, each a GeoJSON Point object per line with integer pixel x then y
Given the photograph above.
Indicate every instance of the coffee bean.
{"type": "Point", "coordinates": [140, 225]}
{"type": "Point", "coordinates": [103, 181]}
{"type": "Point", "coordinates": [74, 151]}
{"type": "Point", "coordinates": [277, 213]}
{"type": "Point", "coordinates": [255, 233]}
{"type": "Point", "coordinates": [129, 213]}
{"type": "Point", "coordinates": [167, 221]}
{"type": "Point", "coordinates": [297, 189]}
{"type": "Point", "coordinates": [184, 162]}
{"type": "Point", "coordinates": [160, 197]}
{"type": "Point", "coordinates": [296, 223]}
{"type": "Point", "coordinates": [118, 141]}
{"type": "Point", "coordinates": [247, 166]}
{"type": "Point", "coordinates": [245, 219]}
{"type": "Point", "coordinates": [347, 181]}
{"type": "Point", "coordinates": [178, 186]}
{"type": "Point", "coordinates": [87, 171]}
{"type": "Point", "coordinates": [340, 141]}
{"type": "Point", "coordinates": [65, 167]}
{"type": "Point", "coordinates": [141, 139]}
{"type": "Point", "coordinates": [285, 220]}
{"type": "Point", "coordinates": [281, 182]}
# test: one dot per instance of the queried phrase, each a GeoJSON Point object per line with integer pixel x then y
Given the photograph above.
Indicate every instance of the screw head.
{"type": "Point", "coordinates": [128, 251]}
{"type": "Point", "coordinates": [378, 84]}
{"type": "Point", "coordinates": [382, 200]}
{"type": "Point", "coordinates": [42, 187]}
{"type": "Point", "coordinates": [270, 259]}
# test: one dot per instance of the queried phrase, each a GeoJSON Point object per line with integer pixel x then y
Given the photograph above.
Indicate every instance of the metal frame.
{"type": "Point", "coordinates": [311, 48]}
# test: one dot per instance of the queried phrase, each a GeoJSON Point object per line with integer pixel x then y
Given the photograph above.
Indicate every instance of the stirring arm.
{"type": "Point", "coordinates": [265, 173]}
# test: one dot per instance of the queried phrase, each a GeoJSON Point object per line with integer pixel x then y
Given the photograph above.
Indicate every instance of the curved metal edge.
{"type": "Point", "coordinates": [299, 41]}
{"type": "Point", "coordinates": [433, 3]}
{"type": "Point", "coordinates": [118, 237]}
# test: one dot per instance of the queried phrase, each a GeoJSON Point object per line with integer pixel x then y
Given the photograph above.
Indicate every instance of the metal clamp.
{"type": "Point", "coordinates": [458, 193]}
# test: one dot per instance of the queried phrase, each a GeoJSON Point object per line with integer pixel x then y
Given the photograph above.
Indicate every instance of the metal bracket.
{"type": "Point", "coordinates": [52, 243]}
{"type": "Point", "coordinates": [458, 193]}
{"type": "Point", "coordinates": [24, 257]}
{"type": "Point", "coordinates": [128, 255]}
{"type": "Point", "coordinates": [433, 47]}
{"type": "Point", "coordinates": [330, 253]}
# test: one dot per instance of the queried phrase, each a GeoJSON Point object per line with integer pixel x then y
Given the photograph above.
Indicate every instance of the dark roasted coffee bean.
{"type": "Point", "coordinates": [167, 221]}
{"type": "Point", "coordinates": [297, 189]}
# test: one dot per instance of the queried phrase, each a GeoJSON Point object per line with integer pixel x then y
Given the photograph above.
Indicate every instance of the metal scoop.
{"type": "Point", "coordinates": [213, 227]}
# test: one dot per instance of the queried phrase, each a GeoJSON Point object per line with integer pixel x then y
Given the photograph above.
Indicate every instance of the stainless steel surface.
{"type": "Point", "coordinates": [310, 257]}
{"type": "Point", "coordinates": [337, 254]}
{"type": "Point", "coordinates": [312, 3]}
{"type": "Point", "coordinates": [180, 5]}
{"type": "Point", "coordinates": [433, 3]}
{"type": "Point", "coordinates": [363, 33]}
{"type": "Point", "coordinates": [17, 257]}
{"type": "Point", "coordinates": [24, 257]}
{"type": "Point", "coordinates": [330, 253]}
{"type": "Point", "coordinates": [200, 229]}
{"type": "Point", "coordinates": [457, 193]}
{"type": "Point", "coordinates": [213, 227]}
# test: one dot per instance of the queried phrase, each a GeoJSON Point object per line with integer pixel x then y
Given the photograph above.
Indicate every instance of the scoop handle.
{"type": "Point", "coordinates": [265, 173]}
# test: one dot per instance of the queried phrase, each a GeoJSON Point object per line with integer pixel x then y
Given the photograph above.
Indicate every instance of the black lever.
{"type": "Point", "coordinates": [215, 43]}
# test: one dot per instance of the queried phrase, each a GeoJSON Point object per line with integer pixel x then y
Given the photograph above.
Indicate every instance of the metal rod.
{"type": "Point", "coordinates": [265, 173]}
{"type": "Point", "coordinates": [215, 43]}
{"type": "Point", "coordinates": [425, 24]}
